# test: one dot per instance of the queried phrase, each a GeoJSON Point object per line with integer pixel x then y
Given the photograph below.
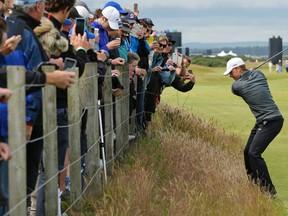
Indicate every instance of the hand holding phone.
{"type": "Point", "coordinates": [135, 29]}
{"type": "Point", "coordinates": [96, 32]}
{"type": "Point", "coordinates": [80, 26]}
{"type": "Point", "coordinates": [136, 11]}
{"type": "Point", "coordinates": [69, 64]}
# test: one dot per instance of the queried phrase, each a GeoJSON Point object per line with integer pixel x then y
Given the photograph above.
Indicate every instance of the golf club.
{"type": "Point", "coordinates": [270, 58]}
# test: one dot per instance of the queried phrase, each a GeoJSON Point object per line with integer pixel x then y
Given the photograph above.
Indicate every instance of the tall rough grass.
{"type": "Point", "coordinates": [184, 166]}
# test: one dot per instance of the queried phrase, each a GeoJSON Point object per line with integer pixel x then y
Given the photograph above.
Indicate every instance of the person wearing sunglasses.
{"type": "Point", "coordinates": [153, 81]}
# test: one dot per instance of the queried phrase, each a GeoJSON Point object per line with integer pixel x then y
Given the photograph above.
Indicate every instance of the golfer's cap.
{"type": "Point", "coordinates": [117, 6]}
{"type": "Point", "coordinates": [233, 63]}
{"type": "Point", "coordinates": [112, 15]}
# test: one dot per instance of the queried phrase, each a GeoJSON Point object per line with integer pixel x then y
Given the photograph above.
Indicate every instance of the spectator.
{"type": "Point", "coordinates": [153, 80]}
{"type": "Point", "coordinates": [61, 79]}
{"type": "Point", "coordinates": [133, 60]}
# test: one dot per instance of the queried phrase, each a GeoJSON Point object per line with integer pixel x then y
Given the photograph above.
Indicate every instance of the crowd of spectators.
{"type": "Point", "coordinates": [112, 35]}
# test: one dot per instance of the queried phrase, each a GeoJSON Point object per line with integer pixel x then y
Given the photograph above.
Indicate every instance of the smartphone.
{"type": "Point", "coordinates": [190, 71]}
{"type": "Point", "coordinates": [175, 58]}
{"type": "Point", "coordinates": [96, 31]}
{"type": "Point", "coordinates": [69, 64]}
{"type": "Point", "coordinates": [179, 59]}
{"type": "Point", "coordinates": [80, 26]}
{"type": "Point", "coordinates": [15, 26]}
{"type": "Point", "coordinates": [135, 29]}
{"type": "Point", "coordinates": [135, 7]}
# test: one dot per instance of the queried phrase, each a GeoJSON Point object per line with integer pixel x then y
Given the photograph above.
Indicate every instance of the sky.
{"type": "Point", "coordinates": [209, 21]}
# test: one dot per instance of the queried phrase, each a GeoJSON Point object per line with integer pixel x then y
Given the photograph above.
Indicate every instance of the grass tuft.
{"type": "Point", "coordinates": [184, 166]}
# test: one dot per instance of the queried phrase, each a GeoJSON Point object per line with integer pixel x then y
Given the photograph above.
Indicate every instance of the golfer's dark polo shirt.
{"type": "Point", "coordinates": [252, 86]}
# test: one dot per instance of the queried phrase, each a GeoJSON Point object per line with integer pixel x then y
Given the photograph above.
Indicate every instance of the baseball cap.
{"type": "Point", "coordinates": [131, 17]}
{"type": "Point", "coordinates": [89, 34]}
{"type": "Point", "coordinates": [148, 21]}
{"type": "Point", "coordinates": [84, 12]}
{"type": "Point", "coordinates": [68, 22]}
{"type": "Point", "coordinates": [73, 14]}
{"type": "Point", "coordinates": [24, 2]}
{"type": "Point", "coordinates": [112, 15]}
{"type": "Point", "coordinates": [82, 3]}
{"type": "Point", "coordinates": [117, 6]}
{"type": "Point", "coordinates": [233, 63]}
{"type": "Point", "coordinates": [125, 25]}
{"type": "Point", "coordinates": [170, 40]}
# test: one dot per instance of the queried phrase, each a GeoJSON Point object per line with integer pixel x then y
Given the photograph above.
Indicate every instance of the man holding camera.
{"type": "Point", "coordinates": [252, 86]}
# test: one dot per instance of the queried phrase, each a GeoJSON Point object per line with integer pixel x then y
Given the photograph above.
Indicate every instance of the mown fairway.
{"type": "Point", "coordinates": [212, 99]}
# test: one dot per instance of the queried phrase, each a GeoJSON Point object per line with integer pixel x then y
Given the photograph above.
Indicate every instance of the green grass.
{"type": "Point", "coordinates": [184, 166]}
{"type": "Point", "coordinates": [212, 99]}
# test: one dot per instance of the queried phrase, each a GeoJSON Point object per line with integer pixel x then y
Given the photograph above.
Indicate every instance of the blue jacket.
{"type": "Point", "coordinates": [27, 54]}
{"type": "Point", "coordinates": [103, 36]}
{"type": "Point", "coordinates": [134, 43]}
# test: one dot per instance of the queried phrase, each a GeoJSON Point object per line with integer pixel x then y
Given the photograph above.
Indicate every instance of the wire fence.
{"type": "Point", "coordinates": [82, 98]}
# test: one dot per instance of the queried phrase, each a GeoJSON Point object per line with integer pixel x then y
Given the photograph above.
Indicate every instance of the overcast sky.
{"type": "Point", "coordinates": [214, 20]}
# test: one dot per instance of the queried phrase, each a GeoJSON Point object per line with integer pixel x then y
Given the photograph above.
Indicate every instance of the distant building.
{"type": "Point", "coordinates": [209, 52]}
{"type": "Point", "coordinates": [187, 51]}
{"type": "Point", "coordinates": [275, 46]}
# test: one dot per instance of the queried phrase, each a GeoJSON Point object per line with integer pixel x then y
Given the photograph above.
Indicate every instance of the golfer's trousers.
{"type": "Point", "coordinates": [260, 137]}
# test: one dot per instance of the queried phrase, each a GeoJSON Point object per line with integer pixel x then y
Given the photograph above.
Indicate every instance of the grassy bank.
{"type": "Point", "coordinates": [184, 166]}
{"type": "Point", "coordinates": [212, 99]}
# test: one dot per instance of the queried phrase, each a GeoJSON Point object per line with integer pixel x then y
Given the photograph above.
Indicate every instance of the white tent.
{"type": "Point", "coordinates": [222, 53]}
{"type": "Point", "coordinates": [231, 53]}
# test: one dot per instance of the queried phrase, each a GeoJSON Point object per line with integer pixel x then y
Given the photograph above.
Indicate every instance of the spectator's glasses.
{"type": "Point", "coordinates": [162, 45]}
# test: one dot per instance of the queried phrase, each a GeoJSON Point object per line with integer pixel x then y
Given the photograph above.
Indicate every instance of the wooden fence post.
{"type": "Point", "coordinates": [89, 84]}
{"type": "Point", "coordinates": [125, 104]}
{"type": "Point", "coordinates": [74, 122]}
{"type": "Point", "coordinates": [50, 153]}
{"type": "Point", "coordinates": [108, 121]}
{"type": "Point", "coordinates": [17, 138]}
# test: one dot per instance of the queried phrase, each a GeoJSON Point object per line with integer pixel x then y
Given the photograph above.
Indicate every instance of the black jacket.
{"type": "Point", "coordinates": [32, 78]}
{"type": "Point", "coordinates": [80, 56]}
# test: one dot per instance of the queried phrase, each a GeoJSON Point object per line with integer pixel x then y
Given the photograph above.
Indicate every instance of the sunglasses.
{"type": "Point", "coordinates": [162, 45]}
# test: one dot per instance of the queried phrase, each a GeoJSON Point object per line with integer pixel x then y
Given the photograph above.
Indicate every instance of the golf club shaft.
{"type": "Point", "coordinates": [271, 58]}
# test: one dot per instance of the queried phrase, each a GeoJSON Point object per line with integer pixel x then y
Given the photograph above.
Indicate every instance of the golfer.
{"type": "Point", "coordinates": [252, 86]}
